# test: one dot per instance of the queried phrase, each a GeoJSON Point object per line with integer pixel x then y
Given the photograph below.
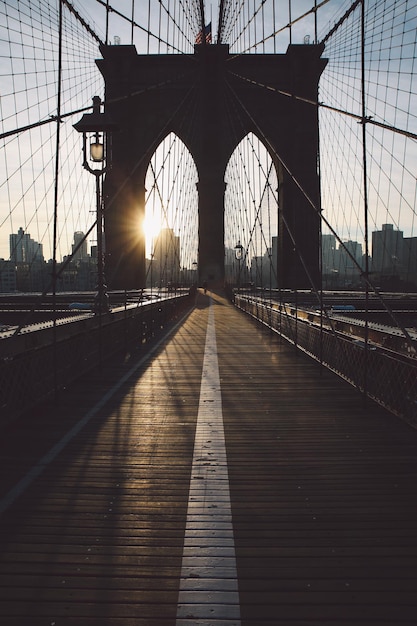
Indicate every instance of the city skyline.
{"type": "Point", "coordinates": [392, 255]}
{"type": "Point", "coordinates": [29, 158]}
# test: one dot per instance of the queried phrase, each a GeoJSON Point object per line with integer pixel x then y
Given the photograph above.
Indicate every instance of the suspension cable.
{"type": "Point", "coordinates": [317, 210]}
{"type": "Point", "coordinates": [322, 105]}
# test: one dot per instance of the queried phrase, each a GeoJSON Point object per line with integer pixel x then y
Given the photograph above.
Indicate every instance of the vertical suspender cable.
{"type": "Point", "coordinates": [254, 26]}
{"type": "Point", "coordinates": [320, 240]}
{"type": "Point", "coordinates": [290, 19]}
{"type": "Point", "coordinates": [220, 23]}
{"type": "Point", "coordinates": [169, 17]}
{"type": "Point", "coordinates": [203, 22]}
{"type": "Point", "coordinates": [149, 27]}
{"type": "Point", "coordinates": [275, 27]}
{"type": "Point", "coordinates": [133, 22]}
{"type": "Point", "coordinates": [107, 22]}
{"type": "Point", "coordinates": [365, 200]}
{"type": "Point", "coordinates": [159, 28]}
{"type": "Point", "coordinates": [56, 184]}
{"type": "Point", "coordinates": [320, 209]}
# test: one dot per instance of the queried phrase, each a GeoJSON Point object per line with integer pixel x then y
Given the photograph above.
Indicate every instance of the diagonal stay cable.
{"type": "Point", "coordinates": [187, 120]}
{"type": "Point", "coordinates": [317, 209]}
{"type": "Point", "coordinates": [82, 21]}
{"type": "Point", "coordinates": [322, 105]}
{"type": "Point", "coordinates": [291, 23]}
{"type": "Point", "coordinates": [154, 143]}
{"type": "Point", "coordinates": [236, 114]}
{"type": "Point", "coordinates": [58, 273]}
{"type": "Point", "coordinates": [111, 9]}
{"type": "Point", "coordinates": [54, 118]}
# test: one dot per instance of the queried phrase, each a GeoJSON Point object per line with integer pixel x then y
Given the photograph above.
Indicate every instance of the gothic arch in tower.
{"type": "Point", "coordinates": [211, 100]}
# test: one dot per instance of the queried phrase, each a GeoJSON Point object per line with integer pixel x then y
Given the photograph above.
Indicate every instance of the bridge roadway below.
{"type": "Point", "coordinates": [225, 480]}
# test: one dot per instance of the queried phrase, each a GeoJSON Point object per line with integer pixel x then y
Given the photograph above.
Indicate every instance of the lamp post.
{"type": "Point", "coordinates": [194, 272]}
{"type": "Point", "coordinates": [239, 256]}
{"type": "Point", "coordinates": [96, 128]}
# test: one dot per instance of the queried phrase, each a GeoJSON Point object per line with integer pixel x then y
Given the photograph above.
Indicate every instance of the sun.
{"type": "Point", "coordinates": [151, 227]}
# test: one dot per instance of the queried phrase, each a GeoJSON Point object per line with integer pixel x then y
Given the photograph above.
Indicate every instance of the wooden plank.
{"type": "Point", "coordinates": [323, 495]}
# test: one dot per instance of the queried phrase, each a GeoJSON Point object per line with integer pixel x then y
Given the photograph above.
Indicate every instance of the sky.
{"type": "Point", "coordinates": [28, 78]}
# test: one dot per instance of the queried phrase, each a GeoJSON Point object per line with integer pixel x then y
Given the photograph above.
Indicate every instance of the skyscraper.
{"type": "Point", "coordinates": [23, 249]}
{"type": "Point", "coordinates": [166, 257]}
{"type": "Point", "coordinates": [387, 250]}
{"type": "Point", "coordinates": [79, 240]}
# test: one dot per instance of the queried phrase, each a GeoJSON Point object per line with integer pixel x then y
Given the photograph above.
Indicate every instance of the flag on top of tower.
{"type": "Point", "coordinates": [207, 35]}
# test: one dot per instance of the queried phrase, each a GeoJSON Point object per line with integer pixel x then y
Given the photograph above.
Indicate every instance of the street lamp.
{"type": "Point", "coordinates": [96, 128]}
{"type": "Point", "coordinates": [194, 276]}
{"type": "Point", "coordinates": [239, 256]}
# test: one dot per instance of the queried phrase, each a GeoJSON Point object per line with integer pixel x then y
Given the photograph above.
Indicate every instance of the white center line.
{"type": "Point", "coordinates": [208, 587]}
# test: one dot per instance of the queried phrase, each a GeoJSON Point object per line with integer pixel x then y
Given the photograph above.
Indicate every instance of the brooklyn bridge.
{"type": "Point", "coordinates": [208, 313]}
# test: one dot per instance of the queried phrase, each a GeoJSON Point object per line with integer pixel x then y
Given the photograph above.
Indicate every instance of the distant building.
{"type": "Point", "coordinates": [23, 249]}
{"type": "Point", "coordinates": [341, 263]}
{"type": "Point", "coordinates": [26, 255]}
{"type": "Point", "coordinates": [7, 276]}
{"type": "Point", "coordinates": [166, 258]}
{"type": "Point", "coordinates": [410, 259]}
{"type": "Point", "coordinates": [330, 255]}
{"type": "Point", "coordinates": [256, 271]}
{"type": "Point", "coordinates": [261, 270]}
{"type": "Point", "coordinates": [274, 261]}
{"type": "Point", "coordinates": [81, 242]}
{"type": "Point", "coordinates": [350, 257]}
{"type": "Point", "coordinates": [328, 252]}
{"type": "Point", "coordinates": [387, 251]}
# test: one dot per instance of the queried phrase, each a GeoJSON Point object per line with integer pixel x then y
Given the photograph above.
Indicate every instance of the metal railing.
{"type": "Point", "coordinates": [379, 374]}
{"type": "Point", "coordinates": [37, 364]}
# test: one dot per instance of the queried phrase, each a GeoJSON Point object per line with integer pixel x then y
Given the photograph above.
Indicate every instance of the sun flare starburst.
{"type": "Point", "coordinates": [152, 225]}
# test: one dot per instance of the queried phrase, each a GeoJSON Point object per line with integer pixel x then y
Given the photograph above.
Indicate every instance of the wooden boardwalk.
{"type": "Point", "coordinates": [140, 499]}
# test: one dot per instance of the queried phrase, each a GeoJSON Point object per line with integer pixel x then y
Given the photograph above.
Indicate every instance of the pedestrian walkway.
{"type": "Point", "coordinates": [225, 480]}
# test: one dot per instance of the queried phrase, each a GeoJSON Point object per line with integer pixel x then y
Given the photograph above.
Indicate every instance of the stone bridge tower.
{"type": "Point", "coordinates": [149, 96]}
